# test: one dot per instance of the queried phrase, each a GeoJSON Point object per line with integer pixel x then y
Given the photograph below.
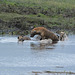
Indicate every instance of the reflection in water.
{"type": "Point", "coordinates": [42, 46]}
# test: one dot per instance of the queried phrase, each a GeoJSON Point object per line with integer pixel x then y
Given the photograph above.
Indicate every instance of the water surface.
{"type": "Point", "coordinates": [23, 58]}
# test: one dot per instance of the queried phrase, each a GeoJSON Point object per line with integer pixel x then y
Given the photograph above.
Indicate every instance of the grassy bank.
{"type": "Point", "coordinates": [23, 15]}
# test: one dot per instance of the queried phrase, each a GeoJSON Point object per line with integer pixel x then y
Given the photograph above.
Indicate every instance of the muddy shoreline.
{"type": "Point", "coordinates": [52, 73]}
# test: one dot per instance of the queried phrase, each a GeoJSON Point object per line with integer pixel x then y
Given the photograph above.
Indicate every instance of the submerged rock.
{"type": "Point", "coordinates": [46, 41]}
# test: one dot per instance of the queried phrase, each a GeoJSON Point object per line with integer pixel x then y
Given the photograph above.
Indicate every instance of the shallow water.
{"type": "Point", "coordinates": [23, 58]}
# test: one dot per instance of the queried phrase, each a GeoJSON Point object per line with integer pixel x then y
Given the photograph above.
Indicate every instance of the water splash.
{"type": "Point", "coordinates": [13, 39]}
{"type": "Point", "coordinates": [8, 39]}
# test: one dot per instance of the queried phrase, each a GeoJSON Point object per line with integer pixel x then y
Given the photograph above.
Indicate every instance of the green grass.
{"type": "Point", "coordinates": [44, 3]}
{"type": "Point", "coordinates": [8, 16]}
{"type": "Point", "coordinates": [48, 21]}
{"type": "Point", "coordinates": [48, 13]}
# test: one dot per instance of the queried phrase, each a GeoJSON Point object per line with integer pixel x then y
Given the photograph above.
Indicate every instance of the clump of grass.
{"type": "Point", "coordinates": [8, 16]}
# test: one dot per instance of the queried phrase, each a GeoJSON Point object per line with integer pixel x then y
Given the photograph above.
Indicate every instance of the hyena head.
{"type": "Point", "coordinates": [33, 33]}
{"type": "Point", "coordinates": [20, 38]}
